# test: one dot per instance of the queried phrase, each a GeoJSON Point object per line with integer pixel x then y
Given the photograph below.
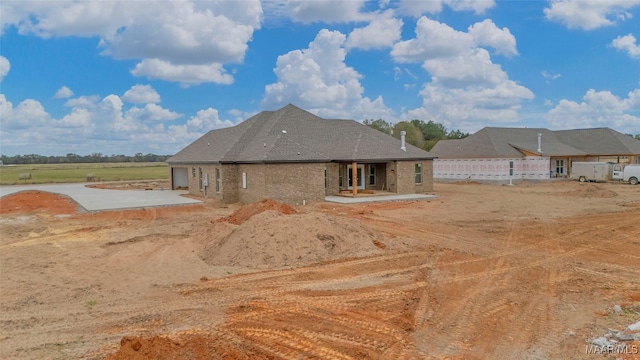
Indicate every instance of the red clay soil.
{"type": "Point", "coordinates": [196, 346]}
{"type": "Point", "coordinates": [246, 212]}
{"type": "Point", "coordinates": [37, 201]}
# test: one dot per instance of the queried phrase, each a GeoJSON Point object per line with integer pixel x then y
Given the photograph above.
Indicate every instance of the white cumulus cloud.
{"type": "Point", "coordinates": [433, 39]}
{"type": "Point", "coordinates": [84, 101]}
{"type": "Point", "coordinates": [152, 112]}
{"type": "Point", "coordinates": [29, 113]}
{"type": "Point", "coordinates": [486, 33]}
{"type": "Point", "coordinates": [187, 35]}
{"type": "Point", "coordinates": [383, 31]}
{"type": "Point", "coordinates": [106, 125]}
{"type": "Point", "coordinates": [63, 93]}
{"type": "Point", "coordinates": [78, 118]}
{"type": "Point", "coordinates": [418, 8]}
{"type": "Point", "coordinates": [627, 43]}
{"type": "Point", "coordinates": [5, 66]}
{"type": "Point", "coordinates": [329, 11]}
{"type": "Point", "coordinates": [598, 109]}
{"type": "Point", "coordinates": [317, 79]}
{"type": "Point", "coordinates": [185, 74]}
{"type": "Point", "coordinates": [141, 94]}
{"type": "Point", "coordinates": [466, 88]}
{"type": "Point", "coordinates": [206, 120]}
{"type": "Point", "coordinates": [181, 33]}
{"type": "Point", "coordinates": [589, 14]}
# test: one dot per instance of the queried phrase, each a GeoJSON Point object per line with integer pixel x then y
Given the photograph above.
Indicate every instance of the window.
{"type": "Point", "coordinates": [200, 178]}
{"type": "Point", "coordinates": [419, 173]}
{"type": "Point", "coordinates": [193, 172]}
{"type": "Point", "coordinates": [325, 178]}
{"type": "Point", "coordinates": [372, 175]}
{"type": "Point", "coordinates": [560, 167]}
{"type": "Point", "coordinates": [218, 180]}
{"type": "Point", "coordinates": [510, 168]}
{"type": "Point", "coordinates": [340, 176]}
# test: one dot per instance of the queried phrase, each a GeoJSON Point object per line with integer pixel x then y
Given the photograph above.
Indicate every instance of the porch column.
{"type": "Point", "coordinates": [354, 178]}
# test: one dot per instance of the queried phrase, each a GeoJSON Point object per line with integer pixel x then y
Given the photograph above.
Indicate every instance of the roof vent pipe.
{"type": "Point", "coordinates": [540, 143]}
{"type": "Point", "coordinates": [403, 146]}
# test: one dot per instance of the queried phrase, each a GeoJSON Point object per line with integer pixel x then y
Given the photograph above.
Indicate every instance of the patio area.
{"type": "Point", "coordinates": [378, 196]}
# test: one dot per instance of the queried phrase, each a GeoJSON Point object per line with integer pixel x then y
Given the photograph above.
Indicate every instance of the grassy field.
{"type": "Point", "coordinates": [66, 173]}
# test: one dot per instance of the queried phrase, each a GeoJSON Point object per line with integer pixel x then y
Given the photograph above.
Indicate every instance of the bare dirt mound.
{"type": "Point", "coordinates": [37, 201]}
{"type": "Point", "coordinates": [248, 211]}
{"type": "Point", "coordinates": [591, 191]}
{"type": "Point", "coordinates": [272, 239]}
{"type": "Point", "coordinates": [193, 346]}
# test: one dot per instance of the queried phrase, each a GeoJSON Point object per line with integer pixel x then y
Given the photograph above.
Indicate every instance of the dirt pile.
{"type": "Point", "coordinates": [193, 346]}
{"type": "Point", "coordinates": [248, 211]}
{"type": "Point", "coordinates": [272, 239]}
{"type": "Point", "coordinates": [37, 201]}
{"type": "Point", "coordinates": [592, 191]}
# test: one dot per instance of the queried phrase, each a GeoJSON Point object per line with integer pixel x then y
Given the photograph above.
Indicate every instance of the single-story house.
{"type": "Point", "coordinates": [528, 153]}
{"type": "Point", "coordinates": [294, 156]}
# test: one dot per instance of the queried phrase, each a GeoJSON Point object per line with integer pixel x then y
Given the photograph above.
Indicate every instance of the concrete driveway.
{"type": "Point", "coordinates": [102, 199]}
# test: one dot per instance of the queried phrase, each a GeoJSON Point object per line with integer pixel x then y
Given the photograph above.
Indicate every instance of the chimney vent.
{"type": "Point", "coordinates": [403, 145]}
{"type": "Point", "coordinates": [540, 143]}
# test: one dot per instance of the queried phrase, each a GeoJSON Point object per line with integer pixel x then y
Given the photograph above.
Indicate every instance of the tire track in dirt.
{"type": "Point", "coordinates": [536, 318]}
{"type": "Point", "coordinates": [463, 313]}
{"type": "Point", "coordinates": [479, 288]}
{"type": "Point", "coordinates": [478, 301]}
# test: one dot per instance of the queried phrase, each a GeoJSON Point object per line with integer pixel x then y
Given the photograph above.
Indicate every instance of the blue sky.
{"type": "Point", "coordinates": [121, 77]}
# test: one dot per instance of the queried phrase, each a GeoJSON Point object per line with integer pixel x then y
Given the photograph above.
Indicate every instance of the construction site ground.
{"type": "Point", "coordinates": [531, 271]}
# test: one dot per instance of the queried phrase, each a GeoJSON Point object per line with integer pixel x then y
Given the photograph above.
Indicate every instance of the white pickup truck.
{"type": "Point", "coordinates": [629, 173]}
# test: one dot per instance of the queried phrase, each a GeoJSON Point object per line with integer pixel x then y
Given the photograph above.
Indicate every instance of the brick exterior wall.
{"type": "Point", "coordinates": [295, 182]}
{"type": "Point", "coordinates": [255, 190]}
{"type": "Point", "coordinates": [228, 178]}
{"type": "Point", "coordinates": [405, 173]}
{"type": "Point", "coordinates": [392, 176]}
{"type": "Point", "coordinates": [333, 179]}
{"type": "Point", "coordinates": [229, 188]}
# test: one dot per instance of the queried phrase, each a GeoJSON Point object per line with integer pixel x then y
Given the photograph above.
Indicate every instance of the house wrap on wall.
{"type": "Point", "coordinates": [293, 156]}
{"type": "Point", "coordinates": [528, 153]}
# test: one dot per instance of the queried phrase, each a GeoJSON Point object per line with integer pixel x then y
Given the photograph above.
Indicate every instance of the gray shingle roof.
{"type": "Point", "coordinates": [506, 142]}
{"type": "Point", "coordinates": [600, 141]}
{"type": "Point", "coordinates": [291, 134]}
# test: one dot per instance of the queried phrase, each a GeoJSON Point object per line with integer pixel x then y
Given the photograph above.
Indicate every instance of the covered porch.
{"type": "Point", "coordinates": [363, 179]}
{"type": "Point", "coordinates": [368, 179]}
{"type": "Point", "coordinates": [377, 197]}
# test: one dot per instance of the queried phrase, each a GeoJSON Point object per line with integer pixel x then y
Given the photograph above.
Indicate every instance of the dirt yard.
{"type": "Point", "coordinates": [531, 271]}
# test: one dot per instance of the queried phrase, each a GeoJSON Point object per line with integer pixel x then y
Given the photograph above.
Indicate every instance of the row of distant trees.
{"type": "Point", "coordinates": [422, 134]}
{"type": "Point", "coordinates": [75, 158]}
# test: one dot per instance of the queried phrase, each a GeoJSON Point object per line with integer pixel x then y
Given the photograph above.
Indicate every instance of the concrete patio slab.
{"type": "Point", "coordinates": [103, 199]}
{"type": "Point", "coordinates": [365, 199]}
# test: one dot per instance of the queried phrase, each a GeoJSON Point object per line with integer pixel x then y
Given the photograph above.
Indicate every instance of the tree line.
{"type": "Point", "coordinates": [75, 158]}
{"type": "Point", "coordinates": [421, 134]}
